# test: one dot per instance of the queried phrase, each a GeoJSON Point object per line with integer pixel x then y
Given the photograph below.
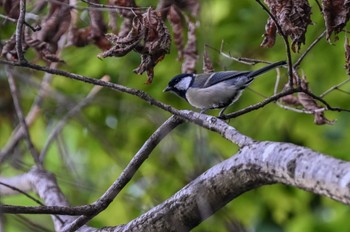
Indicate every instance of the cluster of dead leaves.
{"type": "Point", "coordinates": [308, 104]}
{"type": "Point", "coordinates": [141, 30]}
{"type": "Point", "coordinates": [44, 37]}
{"type": "Point", "coordinates": [293, 16]}
{"type": "Point", "coordinates": [147, 36]}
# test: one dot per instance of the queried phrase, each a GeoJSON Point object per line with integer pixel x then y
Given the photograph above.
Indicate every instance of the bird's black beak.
{"type": "Point", "coordinates": [167, 89]}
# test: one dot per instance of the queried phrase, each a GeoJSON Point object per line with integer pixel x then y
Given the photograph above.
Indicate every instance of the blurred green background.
{"type": "Point", "coordinates": [97, 144]}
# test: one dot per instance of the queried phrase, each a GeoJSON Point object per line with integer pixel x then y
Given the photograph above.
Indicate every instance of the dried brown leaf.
{"type": "Point", "coordinates": [347, 56]}
{"type": "Point", "coordinates": [207, 64]}
{"type": "Point", "coordinates": [148, 36]}
{"type": "Point", "coordinates": [95, 33]}
{"type": "Point", "coordinates": [55, 24]}
{"type": "Point", "coordinates": [190, 52]}
{"type": "Point", "coordinates": [45, 41]}
{"type": "Point", "coordinates": [9, 50]}
{"type": "Point", "coordinates": [188, 5]}
{"type": "Point", "coordinates": [11, 8]}
{"type": "Point", "coordinates": [175, 17]}
{"type": "Point", "coordinates": [310, 104]}
{"type": "Point", "coordinates": [270, 34]}
{"type": "Point", "coordinates": [293, 16]}
{"type": "Point", "coordinates": [290, 100]}
{"type": "Point", "coordinates": [336, 15]}
{"type": "Point", "coordinates": [124, 10]}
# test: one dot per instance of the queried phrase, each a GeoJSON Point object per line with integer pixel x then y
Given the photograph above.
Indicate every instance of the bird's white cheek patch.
{"type": "Point", "coordinates": [184, 84]}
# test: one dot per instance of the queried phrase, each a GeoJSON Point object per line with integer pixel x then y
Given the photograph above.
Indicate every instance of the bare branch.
{"type": "Point", "coordinates": [21, 117]}
{"type": "Point", "coordinates": [17, 190]}
{"type": "Point", "coordinates": [18, 133]}
{"type": "Point", "coordinates": [255, 165]}
{"type": "Point", "coordinates": [334, 87]}
{"type": "Point", "coordinates": [261, 104]}
{"type": "Point", "coordinates": [318, 39]}
{"type": "Point", "coordinates": [66, 117]}
{"type": "Point", "coordinates": [19, 31]}
{"type": "Point", "coordinates": [128, 172]}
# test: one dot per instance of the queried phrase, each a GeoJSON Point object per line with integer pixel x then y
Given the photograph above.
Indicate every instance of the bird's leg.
{"type": "Point", "coordinates": [203, 111]}
{"type": "Point", "coordinates": [222, 112]}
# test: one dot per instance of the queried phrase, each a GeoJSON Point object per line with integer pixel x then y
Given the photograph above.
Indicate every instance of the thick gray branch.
{"type": "Point", "coordinates": [257, 164]}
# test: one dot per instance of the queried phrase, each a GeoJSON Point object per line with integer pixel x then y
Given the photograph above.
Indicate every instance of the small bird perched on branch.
{"type": "Point", "coordinates": [214, 90]}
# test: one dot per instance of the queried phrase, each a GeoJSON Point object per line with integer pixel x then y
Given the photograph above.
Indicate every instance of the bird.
{"type": "Point", "coordinates": [214, 90]}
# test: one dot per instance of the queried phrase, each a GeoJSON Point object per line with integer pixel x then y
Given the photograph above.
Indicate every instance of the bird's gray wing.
{"type": "Point", "coordinates": [224, 76]}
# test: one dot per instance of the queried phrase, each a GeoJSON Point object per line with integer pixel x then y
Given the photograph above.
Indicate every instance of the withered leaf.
{"type": "Point", "coordinates": [310, 104]}
{"type": "Point", "coordinates": [11, 8]}
{"type": "Point", "coordinates": [175, 18]}
{"type": "Point", "coordinates": [190, 52]}
{"type": "Point", "coordinates": [207, 64]}
{"type": "Point", "coordinates": [270, 34]}
{"type": "Point", "coordinates": [347, 56]}
{"type": "Point", "coordinates": [336, 15]}
{"type": "Point", "coordinates": [148, 36]}
{"type": "Point", "coordinates": [290, 100]}
{"type": "Point", "coordinates": [293, 16]}
{"type": "Point", "coordinates": [45, 41]}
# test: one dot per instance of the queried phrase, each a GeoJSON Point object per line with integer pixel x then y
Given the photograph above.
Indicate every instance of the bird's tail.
{"type": "Point", "coordinates": [265, 69]}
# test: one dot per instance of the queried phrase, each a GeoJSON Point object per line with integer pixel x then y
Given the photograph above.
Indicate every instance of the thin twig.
{"type": "Point", "coordinates": [260, 104]}
{"type": "Point", "coordinates": [128, 172]}
{"type": "Point", "coordinates": [22, 192]}
{"type": "Point", "coordinates": [19, 31]}
{"type": "Point", "coordinates": [21, 118]}
{"type": "Point", "coordinates": [334, 87]}
{"type": "Point", "coordinates": [318, 39]}
{"type": "Point", "coordinates": [243, 60]}
{"type": "Point", "coordinates": [18, 133]}
{"type": "Point", "coordinates": [77, 108]}
{"type": "Point", "coordinates": [329, 107]}
{"type": "Point", "coordinates": [104, 6]}
{"type": "Point", "coordinates": [37, 28]}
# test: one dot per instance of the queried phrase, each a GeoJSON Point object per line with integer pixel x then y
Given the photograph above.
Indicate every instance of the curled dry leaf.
{"type": "Point", "coordinates": [207, 64]}
{"type": "Point", "coordinates": [347, 56]}
{"type": "Point", "coordinates": [290, 100]}
{"type": "Point", "coordinates": [175, 18]}
{"type": "Point", "coordinates": [270, 34]}
{"type": "Point", "coordinates": [9, 50]}
{"type": "Point", "coordinates": [182, 15]}
{"type": "Point", "coordinates": [11, 8]}
{"type": "Point", "coordinates": [148, 36]}
{"type": "Point", "coordinates": [94, 33]}
{"type": "Point", "coordinates": [293, 16]}
{"type": "Point", "coordinates": [190, 52]}
{"type": "Point", "coordinates": [310, 104]}
{"type": "Point", "coordinates": [188, 5]}
{"type": "Point", "coordinates": [336, 14]}
{"type": "Point", "coordinates": [45, 40]}
{"type": "Point", "coordinates": [124, 8]}
{"type": "Point", "coordinates": [127, 14]}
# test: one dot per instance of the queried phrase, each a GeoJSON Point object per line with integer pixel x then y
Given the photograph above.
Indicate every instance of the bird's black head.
{"type": "Point", "coordinates": [180, 84]}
